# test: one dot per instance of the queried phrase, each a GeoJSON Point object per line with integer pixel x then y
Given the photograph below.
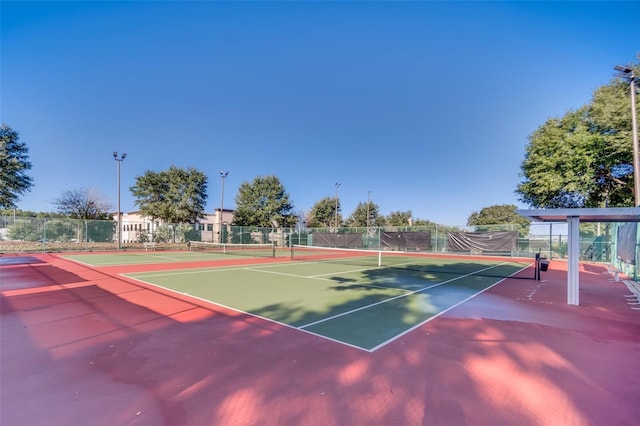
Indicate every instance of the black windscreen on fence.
{"type": "Point", "coordinates": [351, 240]}
{"type": "Point", "coordinates": [406, 240]}
{"type": "Point", "coordinates": [627, 240]}
{"type": "Point", "coordinates": [482, 241]}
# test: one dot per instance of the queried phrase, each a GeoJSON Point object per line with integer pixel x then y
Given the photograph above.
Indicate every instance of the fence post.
{"type": "Point", "coordinates": [44, 235]}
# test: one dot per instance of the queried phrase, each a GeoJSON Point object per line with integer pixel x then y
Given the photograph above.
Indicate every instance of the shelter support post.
{"type": "Point", "coordinates": [573, 282]}
{"type": "Point", "coordinates": [574, 217]}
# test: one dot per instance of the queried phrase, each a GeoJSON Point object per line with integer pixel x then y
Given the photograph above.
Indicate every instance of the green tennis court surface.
{"type": "Point", "coordinates": [359, 305]}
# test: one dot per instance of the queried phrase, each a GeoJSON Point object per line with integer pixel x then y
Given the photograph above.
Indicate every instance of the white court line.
{"type": "Point", "coordinates": [398, 297]}
{"type": "Point", "coordinates": [147, 258]}
{"type": "Point", "coordinates": [320, 278]}
{"type": "Point", "coordinates": [285, 274]}
{"type": "Point", "coordinates": [346, 272]}
{"type": "Point", "coordinates": [256, 268]}
{"type": "Point", "coordinates": [302, 328]}
{"type": "Point", "coordinates": [208, 269]}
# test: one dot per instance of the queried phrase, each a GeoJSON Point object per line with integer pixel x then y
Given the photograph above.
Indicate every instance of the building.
{"type": "Point", "coordinates": [138, 228]}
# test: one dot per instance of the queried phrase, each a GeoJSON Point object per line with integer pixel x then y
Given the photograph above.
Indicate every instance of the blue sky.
{"type": "Point", "coordinates": [428, 105]}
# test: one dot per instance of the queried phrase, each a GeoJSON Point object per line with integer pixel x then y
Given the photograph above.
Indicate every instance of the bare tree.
{"type": "Point", "coordinates": [83, 204]}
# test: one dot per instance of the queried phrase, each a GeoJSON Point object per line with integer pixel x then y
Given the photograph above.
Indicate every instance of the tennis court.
{"type": "Point", "coordinates": [361, 299]}
{"type": "Point", "coordinates": [89, 345]}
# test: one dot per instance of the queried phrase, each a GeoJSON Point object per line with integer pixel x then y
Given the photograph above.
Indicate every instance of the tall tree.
{"type": "Point", "coordinates": [83, 204]}
{"type": "Point", "coordinates": [14, 164]}
{"type": "Point", "coordinates": [398, 218]}
{"type": "Point", "coordinates": [610, 115]}
{"type": "Point", "coordinates": [423, 222]}
{"type": "Point", "coordinates": [323, 214]}
{"type": "Point", "coordinates": [500, 214]}
{"type": "Point", "coordinates": [558, 164]}
{"type": "Point", "coordinates": [359, 216]}
{"type": "Point", "coordinates": [583, 159]}
{"type": "Point", "coordinates": [175, 195]}
{"type": "Point", "coordinates": [264, 203]}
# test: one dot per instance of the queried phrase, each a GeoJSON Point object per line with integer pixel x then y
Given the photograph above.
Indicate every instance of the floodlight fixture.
{"type": "Point", "coordinates": [622, 69]}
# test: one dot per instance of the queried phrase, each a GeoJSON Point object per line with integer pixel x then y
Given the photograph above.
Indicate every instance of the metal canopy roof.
{"type": "Point", "coordinates": [573, 217]}
{"type": "Point", "coordinates": [613, 214]}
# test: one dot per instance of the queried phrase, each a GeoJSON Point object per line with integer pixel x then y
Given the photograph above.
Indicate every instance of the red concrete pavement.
{"type": "Point", "coordinates": [84, 347]}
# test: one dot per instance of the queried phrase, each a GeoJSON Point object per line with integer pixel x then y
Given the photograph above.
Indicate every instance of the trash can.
{"type": "Point", "coordinates": [544, 265]}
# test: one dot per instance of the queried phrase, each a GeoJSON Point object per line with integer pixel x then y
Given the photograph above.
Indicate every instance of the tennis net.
{"type": "Point", "coordinates": [409, 261]}
{"type": "Point", "coordinates": [252, 250]}
{"type": "Point", "coordinates": [360, 257]}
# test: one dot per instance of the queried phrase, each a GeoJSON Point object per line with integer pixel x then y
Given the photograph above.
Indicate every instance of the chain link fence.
{"type": "Point", "coordinates": [20, 234]}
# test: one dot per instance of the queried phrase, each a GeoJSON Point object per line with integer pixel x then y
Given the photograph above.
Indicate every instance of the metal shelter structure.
{"type": "Point", "coordinates": [573, 217]}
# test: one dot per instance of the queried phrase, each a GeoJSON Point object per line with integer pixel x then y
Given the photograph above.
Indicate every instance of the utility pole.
{"type": "Point", "coordinates": [629, 75]}
{"type": "Point", "coordinates": [223, 175]}
{"type": "Point", "coordinates": [118, 161]}
{"type": "Point", "coordinates": [336, 212]}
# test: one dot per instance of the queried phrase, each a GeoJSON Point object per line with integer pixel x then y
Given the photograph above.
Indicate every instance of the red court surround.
{"type": "Point", "coordinates": [81, 346]}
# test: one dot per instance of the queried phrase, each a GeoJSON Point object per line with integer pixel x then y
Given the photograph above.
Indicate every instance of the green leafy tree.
{"type": "Point", "coordinates": [164, 233]}
{"type": "Point", "coordinates": [301, 219]}
{"type": "Point", "coordinates": [359, 216]}
{"type": "Point", "coordinates": [100, 231]}
{"type": "Point", "coordinates": [610, 117]}
{"type": "Point", "coordinates": [175, 195]}
{"type": "Point", "coordinates": [24, 230]}
{"type": "Point", "coordinates": [264, 203]}
{"type": "Point", "coordinates": [323, 213]}
{"type": "Point", "coordinates": [60, 230]}
{"type": "Point", "coordinates": [188, 232]}
{"type": "Point", "coordinates": [398, 218]}
{"type": "Point", "coordinates": [583, 159]}
{"type": "Point", "coordinates": [559, 164]}
{"type": "Point", "coordinates": [27, 213]}
{"type": "Point", "coordinates": [14, 164]}
{"type": "Point", "coordinates": [423, 222]}
{"type": "Point", "coordinates": [445, 229]}
{"type": "Point", "coordinates": [497, 215]}
{"type": "Point", "coordinates": [143, 237]}
{"type": "Point", "coordinates": [83, 204]}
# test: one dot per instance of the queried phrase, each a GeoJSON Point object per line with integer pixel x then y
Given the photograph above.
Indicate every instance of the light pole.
{"type": "Point", "coordinates": [628, 74]}
{"type": "Point", "coordinates": [336, 212]}
{"type": "Point", "coordinates": [223, 175]}
{"type": "Point", "coordinates": [118, 161]}
{"type": "Point", "coordinates": [368, 204]}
